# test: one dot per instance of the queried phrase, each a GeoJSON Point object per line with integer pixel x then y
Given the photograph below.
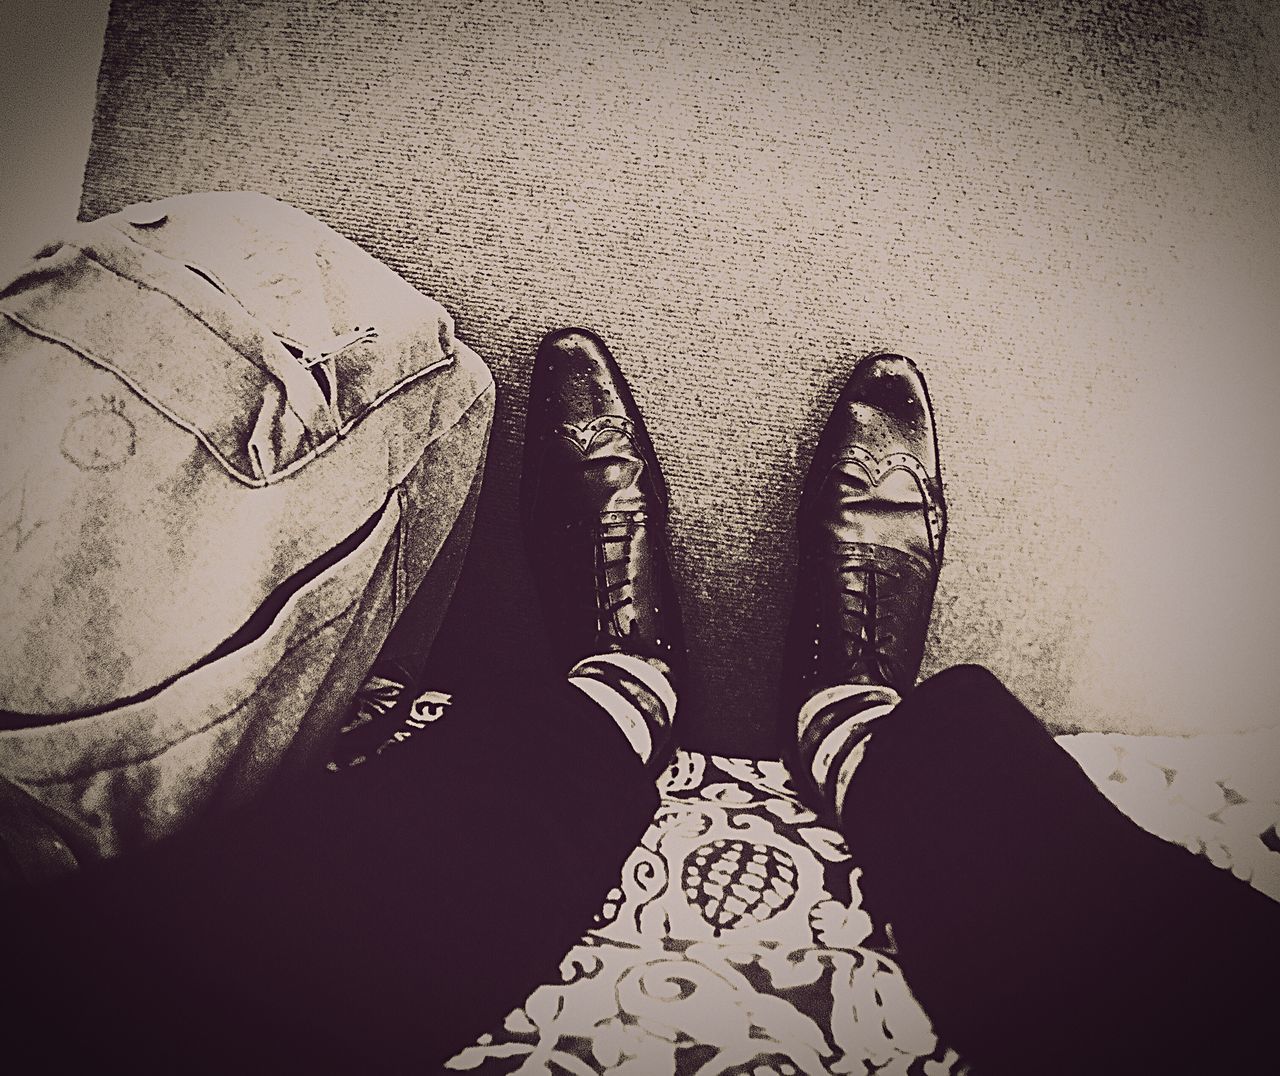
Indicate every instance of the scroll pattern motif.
{"type": "Point", "coordinates": [724, 949]}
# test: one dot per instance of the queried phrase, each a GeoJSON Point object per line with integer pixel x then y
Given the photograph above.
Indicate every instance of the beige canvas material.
{"type": "Point", "coordinates": [170, 460]}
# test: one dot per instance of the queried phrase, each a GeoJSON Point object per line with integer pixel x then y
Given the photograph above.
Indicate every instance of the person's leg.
{"type": "Point", "coordinates": [1040, 928]}
{"type": "Point", "coordinates": [377, 918]}
{"type": "Point", "coordinates": [384, 915]}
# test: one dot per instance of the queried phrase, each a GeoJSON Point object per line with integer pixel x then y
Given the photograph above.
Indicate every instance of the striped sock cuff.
{"type": "Point", "coordinates": [634, 692]}
{"type": "Point", "coordinates": [832, 729]}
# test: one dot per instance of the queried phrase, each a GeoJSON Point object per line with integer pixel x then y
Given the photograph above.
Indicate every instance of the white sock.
{"type": "Point", "coordinates": [833, 735]}
{"type": "Point", "coordinates": [632, 690]}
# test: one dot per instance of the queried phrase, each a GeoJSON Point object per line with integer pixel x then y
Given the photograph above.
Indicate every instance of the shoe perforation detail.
{"type": "Point", "coordinates": [878, 468]}
{"type": "Point", "coordinates": [584, 435]}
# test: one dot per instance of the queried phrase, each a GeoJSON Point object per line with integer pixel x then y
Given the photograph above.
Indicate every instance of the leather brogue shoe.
{"type": "Point", "coordinates": [870, 530]}
{"type": "Point", "coordinates": [594, 505]}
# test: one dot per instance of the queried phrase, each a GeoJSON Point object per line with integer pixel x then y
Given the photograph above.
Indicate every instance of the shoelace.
{"type": "Point", "coordinates": [867, 621]}
{"type": "Point", "coordinates": [613, 580]}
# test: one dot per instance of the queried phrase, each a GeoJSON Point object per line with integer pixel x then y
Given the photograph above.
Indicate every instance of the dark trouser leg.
{"type": "Point", "coordinates": [377, 918]}
{"type": "Point", "coordinates": [1041, 928]}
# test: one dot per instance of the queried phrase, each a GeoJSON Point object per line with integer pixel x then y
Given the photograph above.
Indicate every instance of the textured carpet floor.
{"type": "Point", "coordinates": [1065, 212]}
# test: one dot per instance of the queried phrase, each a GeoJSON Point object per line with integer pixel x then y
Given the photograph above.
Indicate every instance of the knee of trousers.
{"type": "Point", "coordinates": [962, 720]}
{"type": "Point", "coordinates": [960, 699]}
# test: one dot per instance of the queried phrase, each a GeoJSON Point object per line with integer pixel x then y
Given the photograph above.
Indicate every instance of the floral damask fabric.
{"type": "Point", "coordinates": [1217, 795]}
{"type": "Point", "coordinates": [735, 941]}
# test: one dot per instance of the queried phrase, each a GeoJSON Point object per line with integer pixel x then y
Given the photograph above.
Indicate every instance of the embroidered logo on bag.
{"type": "Point", "coordinates": [100, 437]}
